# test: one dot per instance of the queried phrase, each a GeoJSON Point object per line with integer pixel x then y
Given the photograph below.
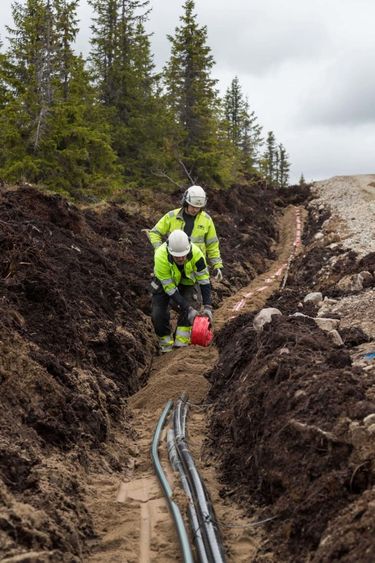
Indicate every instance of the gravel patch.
{"type": "Point", "coordinates": [351, 199]}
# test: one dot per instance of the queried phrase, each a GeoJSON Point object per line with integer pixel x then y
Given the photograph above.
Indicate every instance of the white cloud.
{"type": "Point", "coordinates": [250, 39]}
{"type": "Point", "coordinates": [322, 152]}
{"type": "Point", "coordinates": [305, 65]}
{"type": "Point", "coordinates": [346, 92]}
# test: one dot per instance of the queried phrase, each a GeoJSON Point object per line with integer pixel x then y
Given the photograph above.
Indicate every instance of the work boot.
{"type": "Point", "coordinates": [166, 343]}
{"type": "Point", "coordinates": [182, 336]}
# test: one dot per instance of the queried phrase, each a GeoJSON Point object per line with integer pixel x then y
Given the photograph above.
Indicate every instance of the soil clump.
{"type": "Point", "coordinates": [76, 342]}
{"type": "Point", "coordinates": [293, 411]}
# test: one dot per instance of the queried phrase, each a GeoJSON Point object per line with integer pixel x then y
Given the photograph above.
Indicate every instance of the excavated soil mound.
{"type": "Point", "coordinates": [288, 419]}
{"type": "Point", "coordinates": [75, 343]}
{"type": "Point", "coordinates": [70, 288]}
{"type": "Point", "coordinates": [291, 415]}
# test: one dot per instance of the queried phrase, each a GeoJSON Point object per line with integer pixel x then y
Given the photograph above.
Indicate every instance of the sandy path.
{"type": "Point", "coordinates": [131, 516]}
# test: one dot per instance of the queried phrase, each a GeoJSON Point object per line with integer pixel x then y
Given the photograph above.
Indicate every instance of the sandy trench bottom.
{"type": "Point", "coordinates": [129, 512]}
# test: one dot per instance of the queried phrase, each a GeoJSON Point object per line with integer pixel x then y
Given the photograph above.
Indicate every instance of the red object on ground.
{"type": "Point", "coordinates": [201, 333]}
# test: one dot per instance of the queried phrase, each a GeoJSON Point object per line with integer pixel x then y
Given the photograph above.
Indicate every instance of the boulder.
{"type": "Point", "coordinates": [327, 324]}
{"type": "Point", "coordinates": [264, 316]}
{"type": "Point", "coordinates": [315, 297]}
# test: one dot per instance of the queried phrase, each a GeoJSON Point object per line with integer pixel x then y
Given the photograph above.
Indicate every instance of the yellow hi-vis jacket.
{"type": "Point", "coordinates": [170, 276]}
{"type": "Point", "coordinates": [203, 234]}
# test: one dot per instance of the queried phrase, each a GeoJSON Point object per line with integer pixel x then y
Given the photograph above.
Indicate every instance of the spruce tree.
{"type": "Point", "coordinates": [105, 47]}
{"type": "Point", "coordinates": [283, 167]}
{"type": "Point", "coordinates": [66, 31]}
{"type": "Point", "coordinates": [193, 100]}
{"type": "Point", "coordinates": [124, 70]}
{"type": "Point", "coordinates": [148, 123]}
{"type": "Point", "coordinates": [52, 129]}
{"type": "Point", "coordinates": [234, 111]}
{"type": "Point", "coordinates": [251, 141]}
{"type": "Point", "coordinates": [4, 85]}
{"type": "Point", "coordinates": [243, 128]}
{"type": "Point", "coordinates": [31, 56]}
{"type": "Point", "coordinates": [269, 167]}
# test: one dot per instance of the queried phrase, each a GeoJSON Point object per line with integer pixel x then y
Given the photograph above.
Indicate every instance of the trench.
{"type": "Point", "coordinates": [129, 511]}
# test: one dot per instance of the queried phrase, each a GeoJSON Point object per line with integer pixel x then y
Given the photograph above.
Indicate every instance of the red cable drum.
{"type": "Point", "coordinates": [201, 333]}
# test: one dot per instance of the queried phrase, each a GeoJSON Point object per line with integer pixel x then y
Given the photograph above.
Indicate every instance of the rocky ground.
{"type": "Point", "coordinates": [289, 430]}
{"type": "Point", "coordinates": [294, 402]}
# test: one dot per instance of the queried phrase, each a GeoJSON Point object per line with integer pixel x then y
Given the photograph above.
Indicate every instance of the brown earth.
{"type": "Point", "coordinates": [137, 498]}
{"type": "Point", "coordinates": [284, 435]}
{"type": "Point", "coordinates": [74, 344]}
{"type": "Point", "coordinates": [289, 415]}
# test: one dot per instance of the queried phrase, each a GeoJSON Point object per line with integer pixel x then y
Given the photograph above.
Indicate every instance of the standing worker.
{"type": "Point", "coordinates": [196, 223]}
{"type": "Point", "coordinates": [179, 267]}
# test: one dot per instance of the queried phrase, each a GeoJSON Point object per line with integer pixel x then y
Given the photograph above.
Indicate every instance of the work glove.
{"type": "Point", "coordinates": [218, 274]}
{"type": "Point", "coordinates": [192, 313]}
{"type": "Point", "coordinates": [207, 312]}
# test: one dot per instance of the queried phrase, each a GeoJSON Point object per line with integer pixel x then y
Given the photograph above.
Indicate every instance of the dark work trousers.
{"type": "Point", "coordinates": [161, 303]}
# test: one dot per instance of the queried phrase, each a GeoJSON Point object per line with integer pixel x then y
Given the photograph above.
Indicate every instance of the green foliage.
{"type": "Point", "coordinates": [242, 128]}
{"type": "Point", "coordinates": [268, 161]}
{"type": "Point", "coordinates": [87, 131]}
{"type": "Point", "coordinates": [128, 87]}
{"type": "Point", "coordinates": [275, 164]}
{"type": "Point", "coordinates": [193, 100]}
{"type": "Point", "coordinates": [282, 167]}
{"type": "Point", "coordinates": [54, 131]}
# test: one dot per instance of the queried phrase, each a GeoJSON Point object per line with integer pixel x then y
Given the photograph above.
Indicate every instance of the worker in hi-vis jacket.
{"type": "Point", "coordinates": [196, 223]}
{"type": "Point", "coordinates": [179, 269]}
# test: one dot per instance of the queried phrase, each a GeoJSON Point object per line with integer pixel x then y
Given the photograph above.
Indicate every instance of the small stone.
{"type": "Point", "coordinates": [314, 297]}
{"type": "Point", "coordinates": [351, 283]}
{"type": "Point", "coordinates": [336, 338]}
{"type": "Point", "coordinates": [264, 316]}
{"type": "Point", "coordinates": [369, 420]}
{"type": "Point", "coordinates": [327, 324]}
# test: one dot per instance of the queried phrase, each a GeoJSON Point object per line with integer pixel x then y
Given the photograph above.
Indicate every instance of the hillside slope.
{"type": "Point", "coordinates": [294, 404]}
{"type": "Point", "coordinates": [76, 341]}
{"type": "Point", "coordinates": [289, 431]}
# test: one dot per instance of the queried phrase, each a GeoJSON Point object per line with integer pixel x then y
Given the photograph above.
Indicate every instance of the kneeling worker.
{"type": "Point", "coordinates": [179, 266]}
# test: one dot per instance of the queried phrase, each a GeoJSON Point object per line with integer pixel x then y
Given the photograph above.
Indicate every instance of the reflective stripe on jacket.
{"type": "Point", "coordinates": [170, 276]}
{"type": "Point", "coordinates": [203, 234]}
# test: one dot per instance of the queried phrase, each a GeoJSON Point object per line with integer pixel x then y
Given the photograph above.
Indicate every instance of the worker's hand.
{"type": "Point", "coordinates": [218, 274]}
{"type": "Point", "coordinates": [207, 312]}
{"type": "Point", "coordinates": [192, 313]}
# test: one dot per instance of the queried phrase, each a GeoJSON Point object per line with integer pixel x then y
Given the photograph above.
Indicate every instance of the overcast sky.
{"type": "Point", "coordinates": [306, 66]}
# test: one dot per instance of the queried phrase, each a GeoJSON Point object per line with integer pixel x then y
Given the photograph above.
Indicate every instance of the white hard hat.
{"type": "Point", "coordinates": [178, 243]}
{"type": "Point", "coordinates": [195, 196]}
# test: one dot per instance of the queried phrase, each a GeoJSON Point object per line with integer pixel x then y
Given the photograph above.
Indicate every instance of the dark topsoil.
{"type": "Point", "coordinates": [76, 340]}
{"type": "Point", "coordinates": [288, 410]}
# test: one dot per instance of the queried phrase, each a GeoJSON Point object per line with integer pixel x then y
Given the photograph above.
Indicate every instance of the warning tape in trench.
{"type": "Point", "coordinates": [297, 243]}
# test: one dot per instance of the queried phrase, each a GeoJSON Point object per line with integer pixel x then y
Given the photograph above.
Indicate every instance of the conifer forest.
{"type": "Point", "coordinates": [91, 128]}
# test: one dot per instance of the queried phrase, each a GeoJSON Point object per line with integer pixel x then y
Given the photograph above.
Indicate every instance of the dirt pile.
{"type": "Point", "coordinates": [290, 422]}
{"type": "Point", "coordinates": [351, 200]}
{"type": "Point", "coordinates": [73, 347]}
{"type": "Point", "coordinates": [75, 343]}
{"type": "Point", "coordinates": [293, 413]}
